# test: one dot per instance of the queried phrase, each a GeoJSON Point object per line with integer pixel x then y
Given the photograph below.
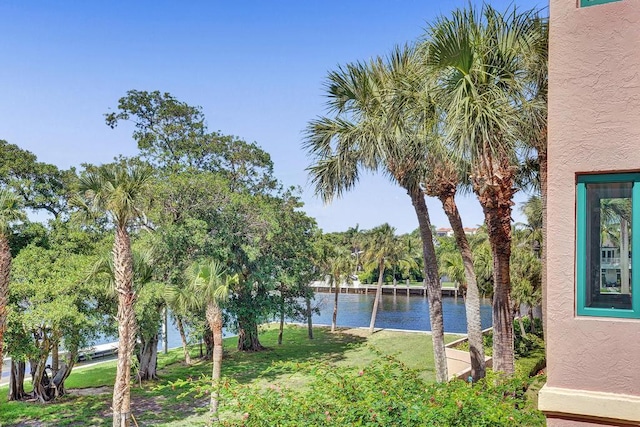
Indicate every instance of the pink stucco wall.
{"type": "Point", "coordinates": [594, 125]}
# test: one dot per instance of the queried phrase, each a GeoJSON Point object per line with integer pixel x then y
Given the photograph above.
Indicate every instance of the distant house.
{"type": "Point", "coordinates": [448, 232]}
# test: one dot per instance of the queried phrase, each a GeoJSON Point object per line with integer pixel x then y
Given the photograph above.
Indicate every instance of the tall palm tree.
{"type": "Point", "coordinates": [118, 191]}
{"type": "Point", "coordinates": [143, 271]}
{"type": "Point", "coordinates": [379, 247]}
{"type": "Point", "coordinates": [367, 132]}
{"type": "Point", "coordinates": [10, 211]}
{"type": "Point", "coordinates": [211, 283]}
{"type": "Point", "coordinates": [477, 57]}
{"type": "Point", "coordinates": [534, 127]}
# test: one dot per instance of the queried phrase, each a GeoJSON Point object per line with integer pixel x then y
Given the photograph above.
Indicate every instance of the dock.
{"type": "Point", "coordinates": [401, 289]}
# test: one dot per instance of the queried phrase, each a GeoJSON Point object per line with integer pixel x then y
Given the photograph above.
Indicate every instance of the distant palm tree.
{"type": "Point", "coordinates": [181, 299]}
{"type": "Point", "coordinates": [10, 211]}
{"type": "Point", "coordinates": [211, 283]}
{"type": "Point", "coordinates": [380, 246]}
{"type": "Point", "coordinates": [118, 191]}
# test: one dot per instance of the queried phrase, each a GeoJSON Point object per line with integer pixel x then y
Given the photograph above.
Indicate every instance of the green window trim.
{"type": "Point", "coordinates": [585, 3]}
{"type": "Point", "coordinates": [581, 246]}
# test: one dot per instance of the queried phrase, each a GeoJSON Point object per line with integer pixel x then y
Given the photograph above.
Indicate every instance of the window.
{"type": "Point", "coordinates": [585, 3]}
{"type": "Point", "coordinates": [608, 206]}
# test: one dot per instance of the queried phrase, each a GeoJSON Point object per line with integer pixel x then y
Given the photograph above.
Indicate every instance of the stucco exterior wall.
{"type": "Point", "coordinates": [594, 126]}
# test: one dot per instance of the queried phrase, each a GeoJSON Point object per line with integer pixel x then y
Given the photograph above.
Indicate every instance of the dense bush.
{"type": "Point", "coordinates": [387, 394]}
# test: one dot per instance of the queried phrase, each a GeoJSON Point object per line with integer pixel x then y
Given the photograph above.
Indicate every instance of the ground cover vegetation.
{"type": "Point", "coordinates": [197, 230]}
{"type": "Point", "coordinates": [364, 378]}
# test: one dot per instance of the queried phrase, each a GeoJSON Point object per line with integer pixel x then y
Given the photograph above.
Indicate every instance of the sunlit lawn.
{"type": "Point", "coordinates": [152, 406]}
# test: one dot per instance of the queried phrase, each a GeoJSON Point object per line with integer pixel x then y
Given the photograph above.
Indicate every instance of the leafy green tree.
{"type": "Point", "coordinates": [10, 211]}
{"type": "Point", "coordinates": [477, 56]}
{"type": "Point", "coordinates": [40, 186]}
{"type": "Point", "coordinates": [118, 191]}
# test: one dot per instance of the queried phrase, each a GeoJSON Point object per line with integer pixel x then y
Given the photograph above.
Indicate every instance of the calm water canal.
{"type": "Point", "coordinates": [396, 312]}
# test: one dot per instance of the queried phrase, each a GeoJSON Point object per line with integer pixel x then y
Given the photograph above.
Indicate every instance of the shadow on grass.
{"type": "Point", "coordinates": [152, 405]}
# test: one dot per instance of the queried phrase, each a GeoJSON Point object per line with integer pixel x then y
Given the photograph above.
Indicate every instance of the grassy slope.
{"type": "Point", "coordinates": [163, 407]}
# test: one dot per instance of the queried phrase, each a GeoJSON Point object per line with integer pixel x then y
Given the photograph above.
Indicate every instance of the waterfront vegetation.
{"type": "Point", "coordinates": [336, 379]}
{"type": "Point", "coordinates": [197, 229]}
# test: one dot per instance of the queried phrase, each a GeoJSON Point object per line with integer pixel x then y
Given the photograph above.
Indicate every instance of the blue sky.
{"type": "Point", "coordinates": [255, 67]}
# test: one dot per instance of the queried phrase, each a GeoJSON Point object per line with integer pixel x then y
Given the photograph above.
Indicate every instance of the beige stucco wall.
{"type": "Point", "coordinates": [594, 125]}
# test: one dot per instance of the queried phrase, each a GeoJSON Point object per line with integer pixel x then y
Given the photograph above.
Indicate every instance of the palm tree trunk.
{"type": "Point", "coordinates": [183, 339]}
{"type": "Point", "coordinates": [472, 297]}
{"type": "Point", "coordinates": [214, 317]}
{"type": "Point", "coordinates": [281, 330]}
{"type": "Point", "coordinates": [309, 320]}
{"type": "Point", "coordinates": [432, 280]}
{"type": "Point", "coordinates": [5, 269]}
{"type": "Point", "coordinates": [123, 269]}
{"type": "Point", "coordinates": [335, 305]}
{"type": "Point", "coordinates": [376, 301]}
{"type": "Point", "coordinates": [624, 256]}
{"type": "Point", "coordinates": [496, 205]}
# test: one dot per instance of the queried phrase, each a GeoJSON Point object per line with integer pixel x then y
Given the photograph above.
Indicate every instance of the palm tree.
{"type": "Point", "coordinates": [442, 182]}
{"type": "Point", "coordinates": [117, 191]}
{"type": "Point", "coordinates": [211, 283]}
{"type": "Point", "coordinates": [477, 57]}
{"type": "Point", "coordinates": [181, 300]}
{"type": "Point", "coordinates": [379, 247]}
{"type": "Point", "coordinates": [340, 266]}
{"type": "Point", "coordinates": [10, 211]}
{"type": "Point", "coordinates": [370, 132]}
{"type": "Point", "coordinates": [534, 128]}
{"type": "Point", "coordinates": [143, 270]}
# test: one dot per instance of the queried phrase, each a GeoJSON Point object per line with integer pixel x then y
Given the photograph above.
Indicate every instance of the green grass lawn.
{"type": "Point", "coordinates": [89, 399]}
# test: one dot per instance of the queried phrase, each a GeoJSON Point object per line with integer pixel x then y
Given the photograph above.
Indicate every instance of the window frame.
{"type": "Point", "coordinates": [587, 3]}
{"type": "Point", "coordinates": [581, 247]}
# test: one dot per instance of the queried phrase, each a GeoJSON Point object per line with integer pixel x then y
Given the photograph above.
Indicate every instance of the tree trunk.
{"type": "Point", "coordinates": [183, 339]}
{"type": "Point", "coordinates": [248, 335]}
{"type": "Point", "coordinates": [335, 306]}
{"type": "Point", "coordinates": [280, 332]}
{"type": "Point", "coordinates": [165, 329]}
{"type": "Point", "coordinates": [624, 256]}
{"type": "Point", "coordinates": [309, 320]}
{"type": "Point", "coordinates": [55, 357]}
{"type": "Point", "coordinates": [376, 301]}
{"type": "Point", "coordinates": [148, 358]}
{"type": "Point", "coordinates": [16, 380]}
{"type": "Point", "coordinates": [472, 295]}
{"type": "Point", "coordinates": [214, 317]}
{"type": "Point", "coordinates": [208, 340]}
{"type": "Point", "coordinates": [40, 380]}
{"type": "Point", "coordinates": [123, 269]}
{"type": "Point", "coordinates": [5, 270]}
{"type": "Point", "coordinates": [532, 323]}
{"type": "Point", "coordinates": [434, 291]}
{"type": "Point", "coordinates": [64, 371]}
{"type": "Point", "coordinates": [495, 197]}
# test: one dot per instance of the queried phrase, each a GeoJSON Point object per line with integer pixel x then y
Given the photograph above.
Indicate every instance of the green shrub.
{"type": "Point", "coordinates": [387, 394]}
